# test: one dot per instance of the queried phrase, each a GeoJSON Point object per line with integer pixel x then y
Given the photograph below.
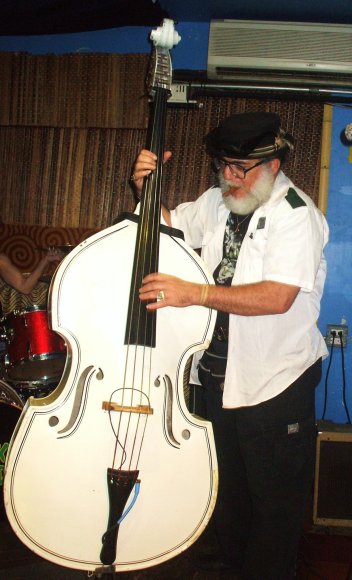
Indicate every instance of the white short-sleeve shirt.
{"type": "Point", "coordinates": [284, 243]}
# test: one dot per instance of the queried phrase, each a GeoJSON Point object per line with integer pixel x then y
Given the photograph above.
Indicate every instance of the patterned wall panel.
{"type": "Point", "coordinates": [26, 244]}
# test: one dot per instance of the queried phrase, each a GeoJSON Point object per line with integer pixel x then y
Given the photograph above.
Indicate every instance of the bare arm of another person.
{"type": "Point", "coordinates": [257, 299]}
{"type": "Point", "coordinates": [144, 165]}
{"type": "Point", "coordinates": [25, 284]}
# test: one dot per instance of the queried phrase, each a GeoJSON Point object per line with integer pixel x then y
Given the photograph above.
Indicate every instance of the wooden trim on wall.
{"type": "Point", "coordinates": [325, 159]}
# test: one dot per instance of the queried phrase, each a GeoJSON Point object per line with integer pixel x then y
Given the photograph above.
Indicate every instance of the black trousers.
{"type": "Point", "coordinates": [266, 456]}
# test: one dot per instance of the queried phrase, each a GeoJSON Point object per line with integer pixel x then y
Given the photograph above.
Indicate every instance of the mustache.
{"type": "Point", "coordinates": [253, 197]}
{"type": "Point", "coordinates": [228, 187]}
{"type": "Point", "coordinates": [229, 191]}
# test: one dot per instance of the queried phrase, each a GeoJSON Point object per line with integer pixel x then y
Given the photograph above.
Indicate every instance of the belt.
{"type": "Point", "coordinates": [218, 379]}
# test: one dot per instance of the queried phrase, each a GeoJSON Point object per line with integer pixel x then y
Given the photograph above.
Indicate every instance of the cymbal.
{"type": "Point", "coordinates": [65, 248]}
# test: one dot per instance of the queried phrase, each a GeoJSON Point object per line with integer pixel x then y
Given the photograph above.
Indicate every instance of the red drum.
{"type": "Point", "coordinates": [10, 410]}
{"type": "Point", "coordinates": [34, 351]}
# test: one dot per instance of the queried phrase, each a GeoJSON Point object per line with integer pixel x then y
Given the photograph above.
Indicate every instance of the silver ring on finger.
{"type": "Point", "coordinates": [160, 296]}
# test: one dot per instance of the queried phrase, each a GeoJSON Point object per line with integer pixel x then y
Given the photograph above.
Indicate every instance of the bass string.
{"type": "Point", "coordinates": [147, 256]}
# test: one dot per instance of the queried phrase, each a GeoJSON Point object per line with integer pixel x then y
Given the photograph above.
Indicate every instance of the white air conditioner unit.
{"type": "Point", "coordinates": [281, 50]}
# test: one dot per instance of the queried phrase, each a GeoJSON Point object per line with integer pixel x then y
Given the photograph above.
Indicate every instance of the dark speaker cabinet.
{"type": "Point", "coordinates": [333, 477]}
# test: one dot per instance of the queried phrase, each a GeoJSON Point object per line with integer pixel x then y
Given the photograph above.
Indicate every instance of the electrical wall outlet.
{"type": "Point", "coordinates": [336, 328]}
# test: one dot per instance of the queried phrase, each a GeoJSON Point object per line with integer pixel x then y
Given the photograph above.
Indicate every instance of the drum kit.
{"type": "Point", "coordinates": [32, 360]}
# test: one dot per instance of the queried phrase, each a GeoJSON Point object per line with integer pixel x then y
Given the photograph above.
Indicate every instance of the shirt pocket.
{"type": "Point", "coordinates": [211, 250]}
{"type": "Point", "coordinates": [251, 258]}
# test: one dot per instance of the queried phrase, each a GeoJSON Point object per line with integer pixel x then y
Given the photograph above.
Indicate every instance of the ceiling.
{"type": "Point", "coordinates": [35, 17]}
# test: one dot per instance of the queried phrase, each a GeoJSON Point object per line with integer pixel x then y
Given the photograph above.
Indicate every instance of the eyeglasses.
{"type": "Point", "coordinates": [235, 168]}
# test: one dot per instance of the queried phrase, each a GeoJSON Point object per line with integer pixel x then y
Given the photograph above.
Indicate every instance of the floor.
{"type": "Point", "coordinates": [324, 554]}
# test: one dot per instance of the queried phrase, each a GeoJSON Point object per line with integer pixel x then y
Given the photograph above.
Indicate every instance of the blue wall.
{"type": "Point", "coordinates": [337, 300]}
{"type": "Point", "coordinates": [191, 53]}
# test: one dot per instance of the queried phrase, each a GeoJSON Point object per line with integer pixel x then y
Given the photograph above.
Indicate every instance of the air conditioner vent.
{"type": "Point", "coordinates": [314, 48]}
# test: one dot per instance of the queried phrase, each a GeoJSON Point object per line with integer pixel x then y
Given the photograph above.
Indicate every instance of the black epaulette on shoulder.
{"type": "Point", "coordinates": [294, 199]}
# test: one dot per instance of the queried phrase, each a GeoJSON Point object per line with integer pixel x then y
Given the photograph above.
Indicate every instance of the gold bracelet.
{"type": "Point", "coordinates": [204, 294]}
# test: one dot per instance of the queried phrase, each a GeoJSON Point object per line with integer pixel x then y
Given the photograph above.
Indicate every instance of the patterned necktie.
{"type": "Point", "coordinates": [233, 238]}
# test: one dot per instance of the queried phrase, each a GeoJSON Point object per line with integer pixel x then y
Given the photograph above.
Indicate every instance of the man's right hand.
{"type": "Point", "coordinates": [144, 165]}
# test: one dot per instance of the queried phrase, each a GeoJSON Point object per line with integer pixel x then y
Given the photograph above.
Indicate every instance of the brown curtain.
{"type": "Point", "coordinates": [71, 126]}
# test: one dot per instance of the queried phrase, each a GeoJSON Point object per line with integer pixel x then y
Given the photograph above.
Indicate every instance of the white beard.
{"type": "Point", "coordinates": [257, 196]}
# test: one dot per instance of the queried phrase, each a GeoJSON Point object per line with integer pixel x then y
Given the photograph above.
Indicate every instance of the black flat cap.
{"type": "Point", "coordinates": [249, 136]}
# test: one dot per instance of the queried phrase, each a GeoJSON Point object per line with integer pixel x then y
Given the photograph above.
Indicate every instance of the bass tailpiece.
{"type": "Point", "coordinates": [120, 484]}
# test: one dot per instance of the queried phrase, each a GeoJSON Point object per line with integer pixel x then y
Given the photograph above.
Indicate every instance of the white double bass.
{"type": "Point", "coordinates": [111, 472]}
